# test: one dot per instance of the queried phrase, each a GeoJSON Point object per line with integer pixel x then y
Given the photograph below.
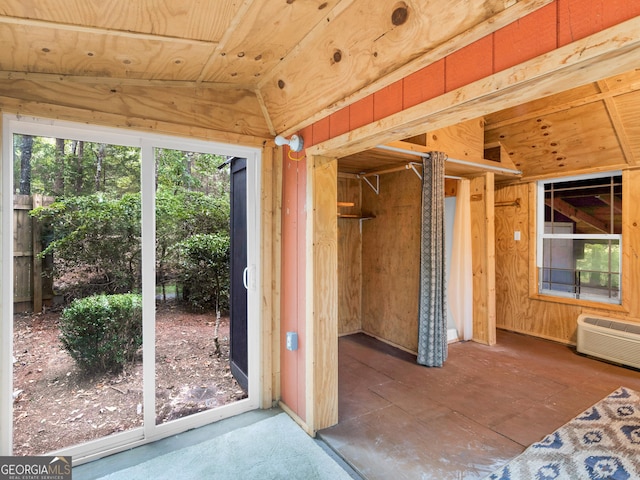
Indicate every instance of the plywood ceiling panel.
{"type": "Point", "coordinates": [276, 49]}
{"type": "Point", "coordinates": [79, 52]}
{"type": "Point", "coordinates": [628, 107]}
{"type": "Point", "coordinates": [290, 60]}
{"type": "Point", "coordinates": [580, 138]}
{"type": "Point", "coordinates": [269, 31]}
{"type": "Point", "coordinates": [184, 19]}
{"type": "Point", "coordinates": [355, 57]}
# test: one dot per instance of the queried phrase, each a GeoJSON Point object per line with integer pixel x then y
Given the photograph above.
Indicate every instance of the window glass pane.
{"type": "Point", "coordinates": [77, 326]}
{"type": "Point", "coordinates": [587, 269]}
{"type": "Point", "coordinates": [573, 266]}
{"type": "Point", "coordinates": [193, 338]}
{"type": "Point", "coordinates": [593, 205]}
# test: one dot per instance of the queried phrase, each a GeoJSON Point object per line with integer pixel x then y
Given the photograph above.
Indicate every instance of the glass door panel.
{"type": "Point", "coordinates": [192, 284]}
{"type": "Point", "coordinates": [77, 325]}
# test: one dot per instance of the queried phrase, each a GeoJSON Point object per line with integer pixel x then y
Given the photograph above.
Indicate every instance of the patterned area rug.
{"type": "Point", "coordinates": [601, 444]}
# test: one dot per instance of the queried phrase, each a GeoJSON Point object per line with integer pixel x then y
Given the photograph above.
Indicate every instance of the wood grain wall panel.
{"type": "Point", "coordinates": [512, 258]}
{"type": "Point", "coordinates": [99, 53]}
{"type": "Point", "coordinates": [188, 18]}
{"type": "Point", "coordinates": [464, 141]}
{"type": "Point", "coordinates": [518, 307]}
{"type": "Point", "coordinates": [563, 148]}
{"type": "Point", "coordinates": [391, 259]}
{"type": "Point", "coordinates": [349, 258]}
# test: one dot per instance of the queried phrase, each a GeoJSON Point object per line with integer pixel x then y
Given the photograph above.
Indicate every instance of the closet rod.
{"type": "Point", "coordinates": [452, 160]}
{"type": "Point", "coordinates": [408, 166]}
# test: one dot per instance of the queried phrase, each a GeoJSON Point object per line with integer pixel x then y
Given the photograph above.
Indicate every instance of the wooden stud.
{"type": "Point", "coordinates": [322, 296]}
{"type": "Point", "coordinates": [483, 259]}
{"type": "Point", "coordinates": [269, 256]}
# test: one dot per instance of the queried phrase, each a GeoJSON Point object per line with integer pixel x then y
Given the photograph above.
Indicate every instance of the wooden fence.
{"type": "Point", "coordinates": [32, 285]}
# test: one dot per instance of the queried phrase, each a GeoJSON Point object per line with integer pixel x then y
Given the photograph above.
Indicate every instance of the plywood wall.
{"type": "Point", "coordinates": [349, 257]}
{"type": "Point", "coordinates": [518, 307]}
{"type": "Point", "coordinates": [391, 260]}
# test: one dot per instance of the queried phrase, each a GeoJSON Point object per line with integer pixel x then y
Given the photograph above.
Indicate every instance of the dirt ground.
{"type": "Point", "coordinates": [56, 405]}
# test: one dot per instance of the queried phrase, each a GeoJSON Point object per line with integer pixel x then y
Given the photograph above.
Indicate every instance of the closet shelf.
{"type": "Point", "coordinates": [355, 216]}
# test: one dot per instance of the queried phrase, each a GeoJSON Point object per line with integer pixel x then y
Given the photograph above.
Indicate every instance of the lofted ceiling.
{"type": "Point", "coordinates": [260, 67]}
{"type": "Point", "coordinates": [252, 67]}
{"type": "Point", "coordinates": [589, 128]}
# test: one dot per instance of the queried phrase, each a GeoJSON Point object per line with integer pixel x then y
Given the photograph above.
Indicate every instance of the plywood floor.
{"type": "Point", "coordinates": [402, 421]}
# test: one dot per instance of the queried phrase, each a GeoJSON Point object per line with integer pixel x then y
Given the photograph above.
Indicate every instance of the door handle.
{"type": "Point", "coordinates": [245, 278]}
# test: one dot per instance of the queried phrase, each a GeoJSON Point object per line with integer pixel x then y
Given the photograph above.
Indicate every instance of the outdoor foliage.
{"type": "Point", "coordinates": [205, 271]}
{"type": "Point", "coordinates": [96, 241]}
{"type": "Point", "coordinates": [94, 226]}
{"type": "Point", "coordinates": [103, 332]}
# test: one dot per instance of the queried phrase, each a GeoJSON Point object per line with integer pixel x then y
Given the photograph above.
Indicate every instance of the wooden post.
{"type": "Point", "coordinates": [36, 245]}
{"type": "Point", "coordinates": [483, 259]}
{"type": "Point", "coordinates": [322, 294]}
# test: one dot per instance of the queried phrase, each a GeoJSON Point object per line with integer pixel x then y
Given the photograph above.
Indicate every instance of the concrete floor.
{"type": "Point", "coordinates": [120, 461]}
{"type": "Point", "coordinates": [486, 405]}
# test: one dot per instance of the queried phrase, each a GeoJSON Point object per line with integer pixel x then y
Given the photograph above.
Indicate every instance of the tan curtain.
{"type": "Point", "coordinates": [432, 321]}
{"type": "Point", "coordinates": [460, 288]}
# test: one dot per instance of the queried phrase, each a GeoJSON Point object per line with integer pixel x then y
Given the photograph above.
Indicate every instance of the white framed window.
{"type": "Point", "coordinates": [579, 237]}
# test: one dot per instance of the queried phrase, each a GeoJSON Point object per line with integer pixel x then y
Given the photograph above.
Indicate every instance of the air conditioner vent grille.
{"type": "Point", "coordinates": [614, 340]}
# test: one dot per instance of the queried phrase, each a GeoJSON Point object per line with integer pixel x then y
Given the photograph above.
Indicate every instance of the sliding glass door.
{"type": "Point", "coordinates": [117, 246]}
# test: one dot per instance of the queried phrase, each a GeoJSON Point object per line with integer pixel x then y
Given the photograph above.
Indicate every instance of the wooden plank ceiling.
{"type": "Point", "coordinates": [281, 62]}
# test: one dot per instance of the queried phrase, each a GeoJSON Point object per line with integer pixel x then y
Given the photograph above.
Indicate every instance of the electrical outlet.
{"type": "Point", "coordinates": [292, 341]}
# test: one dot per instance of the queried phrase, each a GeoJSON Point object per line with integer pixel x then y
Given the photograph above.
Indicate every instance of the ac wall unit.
{"type": "Point", "coordinates": [610, 339]}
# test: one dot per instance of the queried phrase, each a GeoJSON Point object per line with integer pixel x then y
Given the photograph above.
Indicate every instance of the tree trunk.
{"type": "Point", "coordinates": [58, 182]}
{"type": "Point", "coordinates": [26, 149]}
{"type": "Point", "coordinates": [100, 154]}
{"type": "Point", "coordinates": [78, 151]}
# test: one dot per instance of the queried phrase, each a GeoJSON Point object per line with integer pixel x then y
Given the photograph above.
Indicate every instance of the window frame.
{"type": "Point", "coordinates": [541, 236]}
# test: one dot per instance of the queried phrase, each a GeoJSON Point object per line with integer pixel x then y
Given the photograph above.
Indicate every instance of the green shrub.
{"type": "Point", "coordinates": [102, 333]}
{"type": "Point", "coordinates": [205, 271]}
